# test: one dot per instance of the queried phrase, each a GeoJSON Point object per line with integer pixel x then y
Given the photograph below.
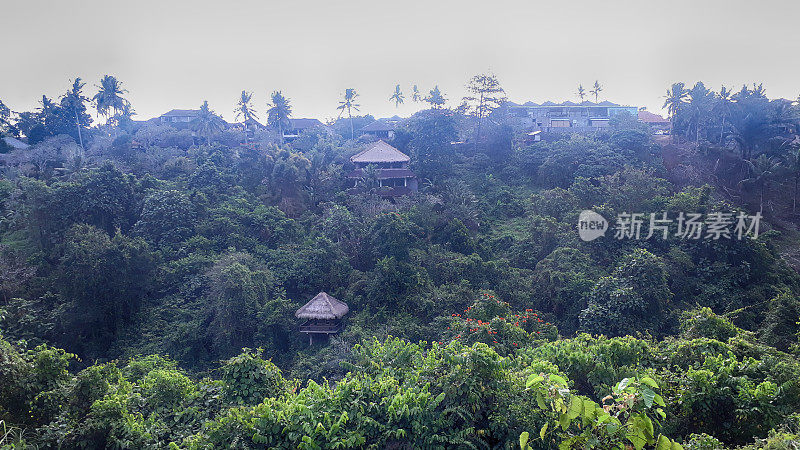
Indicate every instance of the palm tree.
{"type": "Point", "coordinates": [701, 102]}
{"type": "Point", "coordinates": [748, 131]}
{"type": "Point", "coordinates": [415, 95]}
{"type": "Point", "coordinates": [349, 104]}
{"type": "Point", "coordinates": [397, 97]}
{"type": "Point", "coordinates": [674, 101]}
{"type": "Point", "coordinates": [245, 110]}
{"type": "Point", "coordinates": [108, 101]}
{"type": "Point", "coordinates": [74, 102]}
{"type": "Point", "coordinates": [762, 170]}
{"type": "Point", "coordinates": [279, 112]}
{"type": "Point", "coordinates": [124, 117]}
{"type": "Point", "coordinates": [207, 122]}
{"type": "Point", "coordinates": [596, 89]}
{"type": "Point", "coordinates": [723, 108]}
{"type": "Point", "coordinates": [793, 167]}
{"type": "Point", "coordinates": [581, 92]}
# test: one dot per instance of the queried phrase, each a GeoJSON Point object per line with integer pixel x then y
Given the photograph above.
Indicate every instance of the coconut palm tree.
{"type": "Point", "coordinates": [723, 109]}
{"type": "Point", "coordinates": [596, 89]}
{"type": "Point", "coordinates": [793, 168]}
{"type": "Point", "coordinates": [279, 112]}
{"type": "Point", "coordinates": [762, 170]}
{"type": "Point", "coordinates": [581, 92]}
{"type": "Point", "coordinates": [124, 117]}
{"type": "Point", "coordinates": [674, 101]}
{"type": "Point", "coordinates": [397, 97]}
{"type": "Point", "coordinates": [108, 101]}
{"type": "Point", "coordinates": [245, 110]}
{"type": "Point", "coordinates": [74, 101]}
{"type": "Point", "coordinates": [701, 101]}
{"type": "Point", "coordinates": [349, 104]}
{"type": "Point", "coordinates": [416, 97]}
{"type": "Point", "coordinates": [207, 122]}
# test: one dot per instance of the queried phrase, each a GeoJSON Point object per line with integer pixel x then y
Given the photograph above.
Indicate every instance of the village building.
{"type": "Point", "coordinates": [390, 165]}
{"type": "Point", "coordinates": [568, 116]}
{"type": "Point", "coordinates": [176, 116]}
{"type": "Point", "coordinates": [381, 129]}
{"type": "Point", "coordinates": [297, 126]}
{"type": "Point", "coordinates": [14, 143]}
{"type": "Point", "coordinates": [323, 316]}
{"type": "Point", "coordinates": [656, 122]}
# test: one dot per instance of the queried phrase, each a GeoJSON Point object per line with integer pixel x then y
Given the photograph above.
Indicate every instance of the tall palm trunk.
{"type": "Point", "coordinates": [78, 126]}
{"type": "Point", "coordinates": [352, 131]}
{"type": "Point", "coordinates": [480, 121]}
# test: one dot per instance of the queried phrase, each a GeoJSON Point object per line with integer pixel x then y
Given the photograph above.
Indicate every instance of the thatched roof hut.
{"type": "Point", "coordinates": [323, 307]}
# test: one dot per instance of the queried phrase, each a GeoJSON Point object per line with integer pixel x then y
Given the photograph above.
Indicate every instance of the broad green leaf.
{"type": "Point", "coordinates": [650, 382]}
{"type": "Point", "coordinates": [564, 421]}
{"type": "Point", "coordinates": [663, 443]}
{"type": "Point", "coordinates": [575, 407]}
{"type": "Point", "coordinates": [558, 380]}
{"type": "Point", "coordinates": [648, 427]}
{"type": "Point", "coordinates": [523, 440]}
{"type": "Point", "coordinates": [648, 396]}
{"type": "Point", "coordinates": [659, 401]}
{"type": "Point", "coordinates": [637, 439]}
{"type": "Point", "coordinates": [533, 379]}
{"type": "Point", "coordinates": [623, 384]}
{"type": "Point", "coordinates": [540, 401]}
{"type": "Point", "coordinates": [543, 430]}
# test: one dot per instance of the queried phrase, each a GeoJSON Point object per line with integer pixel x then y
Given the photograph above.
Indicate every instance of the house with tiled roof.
{"type": "Point", "coordinates": [656, 121]}
{"type": "Point", "coordinates": [178, 116]}
{"type": "Point", "coordinates": [381, 129]}
{"type": "Point", "coordinates": [297, 126]}
{"type": "Point", "coordinates": [389, 168]}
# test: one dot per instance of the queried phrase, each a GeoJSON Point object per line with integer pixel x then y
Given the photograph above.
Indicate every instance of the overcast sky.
{"type": "Point", "coordinates": [175, 54]}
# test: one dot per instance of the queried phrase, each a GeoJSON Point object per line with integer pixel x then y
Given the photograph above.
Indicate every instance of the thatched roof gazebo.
{"type": "Point", "coordinates": [322, 315]}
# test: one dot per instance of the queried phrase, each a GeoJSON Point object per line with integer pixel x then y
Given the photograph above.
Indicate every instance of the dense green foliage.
{"type": "Point", "coordinates": [478, 318]}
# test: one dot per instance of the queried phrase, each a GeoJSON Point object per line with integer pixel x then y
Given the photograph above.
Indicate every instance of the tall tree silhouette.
{"type": "Point", "coordinates": [349, 104]}
{"type": "Point", "coordinates": [397, 97]}
{"type": "Point", "coordinates": [596, 89]}
{"type": "Point", "coordinates": [279, 112]}
{"type": "Point", "coordinates": [108, 101]}
{"type": "Point", "coordinates": [244, 110]}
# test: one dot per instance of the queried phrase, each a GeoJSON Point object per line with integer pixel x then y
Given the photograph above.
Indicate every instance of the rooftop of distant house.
{"type": "Point", "coordinates": [583, 104]}
{"type": "Point", "coordinates": [15, 143]}
{"type": "Point", "coordinates": [648, 117]}
{"type": "Point", "coordinates": [181, 113]}
{"type": "Point", "coordinates": [323, 307]}
{"type": "Point", "coordinates": [304, 123]}
{"type": "Point", "coordinates": [379, 152]}
{"type": "Point", "coordinates": [379, 125]}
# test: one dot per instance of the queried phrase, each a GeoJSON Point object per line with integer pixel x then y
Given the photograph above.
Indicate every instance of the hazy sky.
{"type": "Point", "coordinates": [174, 54]}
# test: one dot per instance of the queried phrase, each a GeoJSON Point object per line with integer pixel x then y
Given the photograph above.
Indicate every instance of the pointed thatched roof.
{"type": "Point", "coordinates": [379, 152]}
{"type": "Point", "coordinates": [323, 306]}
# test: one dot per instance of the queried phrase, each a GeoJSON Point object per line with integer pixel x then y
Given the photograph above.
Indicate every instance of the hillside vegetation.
{"type": "Point", "coordinates": [150, 279]}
